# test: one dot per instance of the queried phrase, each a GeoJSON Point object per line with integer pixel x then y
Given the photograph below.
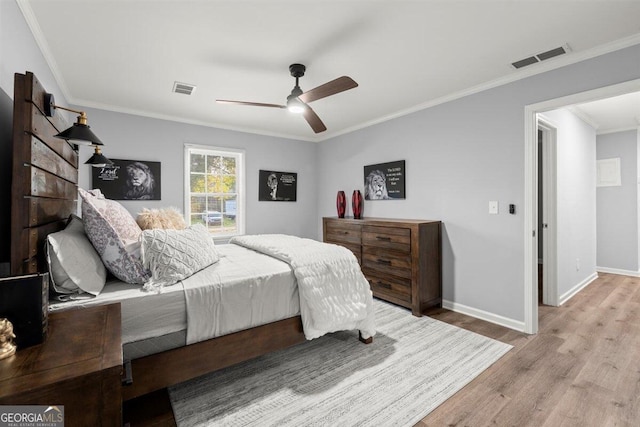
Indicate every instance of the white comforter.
{"type": "Point", "coordinates": [334, 294]}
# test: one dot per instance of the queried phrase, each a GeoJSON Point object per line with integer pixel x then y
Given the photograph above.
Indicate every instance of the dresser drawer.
{"type": "Point", "coordinates": [395, 289]}
{"type": "Point", "coordinates": [337, 232]}
{"type": "Point", "coordinates": [396, 238]}
{"type": "Point", "coordinates": [387, 262]}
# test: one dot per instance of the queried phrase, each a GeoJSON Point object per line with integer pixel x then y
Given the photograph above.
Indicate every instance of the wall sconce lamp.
{"type": "Point", "coordinates": [98, 160]}
{"type": "Point", "coordinates": [79, 133]}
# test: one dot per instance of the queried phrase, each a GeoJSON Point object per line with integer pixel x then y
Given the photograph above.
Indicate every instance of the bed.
{"type": "Point", "coordinates": [271, 298]}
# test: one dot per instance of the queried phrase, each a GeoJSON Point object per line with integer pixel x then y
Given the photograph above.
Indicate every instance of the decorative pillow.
{"type": "Point", "coordinates": [74, 264]}
{"type": "Point", "coordinates": [169, 218]}
{"type": "Point", "coordinates": [173, 255]}
{"type": "Point", "coordinates": [115, 235]}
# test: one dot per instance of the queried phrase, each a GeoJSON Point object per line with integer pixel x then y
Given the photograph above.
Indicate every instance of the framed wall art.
{"type": "Point", "coordinates": [128, 180]}
{"type": "Point", "coordinates": [277, 186]}
{"type": "Point", "coordinates": [384, 181]}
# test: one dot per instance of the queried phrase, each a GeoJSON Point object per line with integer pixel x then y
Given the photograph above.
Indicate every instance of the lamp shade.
{"type": "Point", "coordinates": [80, 133]}
{"type": "Point", "coordinates": [98, 160]}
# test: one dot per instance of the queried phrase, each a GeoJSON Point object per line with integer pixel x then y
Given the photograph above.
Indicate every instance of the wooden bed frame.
{"type": "Point", "coordinates": [44, 194]}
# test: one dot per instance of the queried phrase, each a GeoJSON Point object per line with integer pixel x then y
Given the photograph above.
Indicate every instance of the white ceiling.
{"type": "Point", "coordinates": [612, 114]}
{"type": "Point", "coordinates": [405, 55]}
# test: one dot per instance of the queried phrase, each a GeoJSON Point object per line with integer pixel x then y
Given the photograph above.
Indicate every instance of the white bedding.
{"type": "Point", "coordinates": [144, 314]}
{"type": "Point", "coordinates": [243, 289]}
{"type": "Point", "coordinates": [334, 294]}
{"type": "Point", "coordinates": [264, 291]}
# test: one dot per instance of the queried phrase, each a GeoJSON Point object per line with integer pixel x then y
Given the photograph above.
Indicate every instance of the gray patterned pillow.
{"type": "Point", "coordinates": [173, 255]}
{"type": "Point", "coordinates": [115, 235]}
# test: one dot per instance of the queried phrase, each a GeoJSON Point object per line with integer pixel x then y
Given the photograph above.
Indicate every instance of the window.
{"type": "Point", "coordinates": [214, 189]}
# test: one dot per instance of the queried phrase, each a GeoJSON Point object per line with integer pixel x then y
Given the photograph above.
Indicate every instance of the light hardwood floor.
{"type": "Point", "coordinates": [581, 369]}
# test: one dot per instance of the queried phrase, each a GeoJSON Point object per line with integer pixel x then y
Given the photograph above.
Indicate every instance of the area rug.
{"type": "Point", "coordinates": [413, 365]}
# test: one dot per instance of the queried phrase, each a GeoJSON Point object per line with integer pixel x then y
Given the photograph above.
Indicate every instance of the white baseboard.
{"type": "Point", "coordinates": [484, 315]}
{"type": "Point", "coordinates": [618, 271]}
{"type": "Point", "coordinates": [577, 288]}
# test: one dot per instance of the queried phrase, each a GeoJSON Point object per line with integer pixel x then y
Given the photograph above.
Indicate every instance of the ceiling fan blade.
{"type": "Point", "coordinates": [314, 121]}
{"type": "Point", "coordinates": [330, 88]}
{"type": "Point", "coordinates": [253, 104]}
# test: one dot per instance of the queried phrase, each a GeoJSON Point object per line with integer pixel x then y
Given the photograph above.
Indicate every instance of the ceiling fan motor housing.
{"type": "Point", "coordinates": [297, 70]}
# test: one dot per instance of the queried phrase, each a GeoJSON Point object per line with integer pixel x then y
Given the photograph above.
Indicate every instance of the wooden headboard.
{"type": "Point", "coordinates": [44, 177]}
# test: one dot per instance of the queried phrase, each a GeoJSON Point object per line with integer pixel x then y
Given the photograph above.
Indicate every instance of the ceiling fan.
{"type": "Point", "coordinates": [297, 101]}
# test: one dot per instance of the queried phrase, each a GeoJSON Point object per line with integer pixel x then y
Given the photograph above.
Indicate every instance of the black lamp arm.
{"type": "Point", "coordinates": [50, 106]}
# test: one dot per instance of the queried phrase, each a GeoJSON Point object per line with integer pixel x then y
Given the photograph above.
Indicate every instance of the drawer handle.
{"type": "Point", "coordinates": [385, 239]}
{"type": "Point", "coordinates": [384, 261]}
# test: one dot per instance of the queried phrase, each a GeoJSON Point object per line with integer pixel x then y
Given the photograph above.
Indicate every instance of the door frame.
{"type": "Point", "coordinates": [530, 212]}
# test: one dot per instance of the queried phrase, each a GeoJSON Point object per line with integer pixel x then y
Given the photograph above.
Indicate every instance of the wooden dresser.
{"type": "Point", "coordinates": [78, 366]}
{"type": "Point", "coordinates": [401, 258]}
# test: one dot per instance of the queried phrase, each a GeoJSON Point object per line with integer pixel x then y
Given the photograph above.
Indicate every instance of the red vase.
{"type": "Point", "coordinates": [341, 204]}
{"type": "Point", "coordinates": [356, 204]}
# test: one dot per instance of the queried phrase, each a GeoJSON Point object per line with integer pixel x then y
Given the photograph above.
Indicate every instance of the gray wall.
{"type": "Point", "coordinates": [140, 138]}
{"type": "Point", "coordinates": [576, 199]}
{"type": "Point", "coordinates": [18, 53]}
{"type": "Point", "coordinates": [460, 155]}
{"type": "Point", "coordinates": [617, 207]}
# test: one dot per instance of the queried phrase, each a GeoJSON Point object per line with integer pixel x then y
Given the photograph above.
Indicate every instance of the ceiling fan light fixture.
{"type": "Point", "coordinates": [294, 105]}
{"type": "Point", "coordinates": [298, 101]}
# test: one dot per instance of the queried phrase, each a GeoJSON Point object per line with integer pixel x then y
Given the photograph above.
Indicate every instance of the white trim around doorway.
{"type": "Point", "coordinates": [531, 185]}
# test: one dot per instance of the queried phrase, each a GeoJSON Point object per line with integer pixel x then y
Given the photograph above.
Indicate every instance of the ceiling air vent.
{"type": "Point", "coordinates": [524, 62]}
{"type": "Point", "coordinates": [183, 88]}
{"type": "Point", "coordinates": [542, 56]}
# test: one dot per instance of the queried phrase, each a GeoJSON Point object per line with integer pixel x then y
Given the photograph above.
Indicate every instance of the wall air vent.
{"type": "Point", "coordinates": [183, 88]}
{"type": "Point", "coordinates": [542, 56]}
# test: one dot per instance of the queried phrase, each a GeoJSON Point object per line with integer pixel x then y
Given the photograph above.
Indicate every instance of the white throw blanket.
{"type": "Point", "coordinates": [334, 294]}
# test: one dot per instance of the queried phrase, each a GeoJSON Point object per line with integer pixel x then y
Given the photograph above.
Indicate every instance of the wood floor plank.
{"type": "Point", "coordinates": [581, 369]}
{"type": "Point", "coordinates": [476, 405]}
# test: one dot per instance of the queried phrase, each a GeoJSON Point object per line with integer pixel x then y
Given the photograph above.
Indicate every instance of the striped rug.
{"type": "Point", "coordinates": [413, 365]}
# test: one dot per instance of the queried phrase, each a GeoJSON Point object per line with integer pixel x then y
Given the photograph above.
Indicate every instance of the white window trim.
{"type": "Point", "coordinates": [241, 200]}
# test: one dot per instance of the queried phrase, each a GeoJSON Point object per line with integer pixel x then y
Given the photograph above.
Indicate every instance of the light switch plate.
{"type": "Point", "coordinates": [493, 207]}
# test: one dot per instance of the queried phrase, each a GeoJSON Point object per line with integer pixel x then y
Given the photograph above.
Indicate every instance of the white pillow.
{"type": "Point", "coordinates": [74, 264]}
{"type": "Point", "coordinates": [173, 255]}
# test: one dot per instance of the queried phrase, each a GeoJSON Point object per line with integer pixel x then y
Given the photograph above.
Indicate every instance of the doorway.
{"type": "Point", "coordinates": [547, 229]}
{"type": "Point", "coordinates": [530, 211]}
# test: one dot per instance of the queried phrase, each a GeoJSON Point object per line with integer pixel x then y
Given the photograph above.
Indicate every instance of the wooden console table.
{"type": "Point", "coordinates": [79, 366]}
{"type": "Point", "coordinates": [401, 258]}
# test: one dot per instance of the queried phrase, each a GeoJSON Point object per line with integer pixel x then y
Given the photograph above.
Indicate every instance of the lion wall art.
{"type": "Point", "coordinates": [384, 181]}
{"type": "Point", "coordinates": [128, 180]}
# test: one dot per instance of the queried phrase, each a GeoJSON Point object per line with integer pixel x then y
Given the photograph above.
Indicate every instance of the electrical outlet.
{"type": "Point", "coordinates": [493, 207]}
